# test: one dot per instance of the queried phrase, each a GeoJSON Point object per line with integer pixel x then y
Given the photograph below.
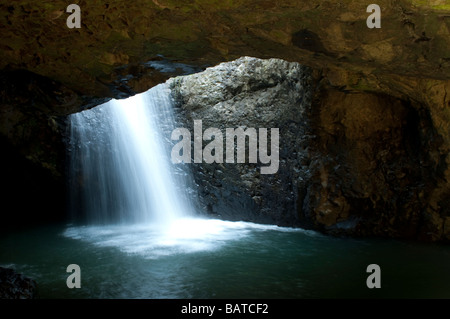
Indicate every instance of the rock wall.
{"type": "Point", "coordinates": [375, 167]}
{"type": "Point", "coordinates": [125, 48]}
{"type": "Point", "coordinates": [120, 38]}
{"type": "Point", "coordinates": [16, 286]}
{"type": "Point", "coordinates": [250, 93]}
{"type": "Point", "coordinates": [48, 71]}
{"type": "Point", "coordinates": [359, 164]}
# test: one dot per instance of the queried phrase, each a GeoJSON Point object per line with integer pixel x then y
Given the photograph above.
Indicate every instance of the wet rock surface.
{"type": "Point", "coordinates": [252, 94]}
{"type": "Point", "coordinates": [359, 164]}
{"type": "Point", "coordinates": [125, 48]}
{"type": "Point", "coordinates": [48, 71]}
{"type": "Point", "coordinates": [16, 286]}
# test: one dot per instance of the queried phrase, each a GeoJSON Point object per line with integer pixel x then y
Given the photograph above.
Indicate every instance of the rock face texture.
{"type": "Point", "coordinates": [376, 168]}
{"type": "Point", "coordinates": [360, 164]}
{"type": "Point", "coordinates": [413, 39]}
{"type": "Point", "coordinates": [401, 70]}
{"type": "Point", "coordinates": [16, 286]}
{"type": "Point", "coordinates": [252, 94]}
{"type": "Point", "coordinates": [124, 48]}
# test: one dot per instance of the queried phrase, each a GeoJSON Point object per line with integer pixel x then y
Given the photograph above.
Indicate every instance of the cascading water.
{"type": "Point", "coordinates": [119, 162]}
{"type": "Point", "coordinates": [126, 188]}
{"type": "Point", "coordinates": [138, 241]}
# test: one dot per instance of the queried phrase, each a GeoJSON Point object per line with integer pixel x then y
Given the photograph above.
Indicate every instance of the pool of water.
{"type": "Point", "coordinates": [207, 258]}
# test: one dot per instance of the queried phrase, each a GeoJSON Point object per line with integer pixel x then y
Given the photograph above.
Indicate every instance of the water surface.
{"type": "Point", "coordinates": [198, 258]}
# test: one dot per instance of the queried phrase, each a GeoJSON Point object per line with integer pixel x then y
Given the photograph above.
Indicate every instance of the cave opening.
{"type": "Point", "coordinates": [358, 95]}
{"type": "Point", "coordinates": [248, 226]}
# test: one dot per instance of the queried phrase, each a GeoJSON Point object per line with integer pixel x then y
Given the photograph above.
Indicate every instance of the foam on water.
{"type": "Point", "coordinates": [182, 236]}
{"type": "Point", "coordinates": [124, 182]}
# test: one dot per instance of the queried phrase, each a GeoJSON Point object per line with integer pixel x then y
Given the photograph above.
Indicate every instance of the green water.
{"type": "Point", "coordinates": [218, 259]}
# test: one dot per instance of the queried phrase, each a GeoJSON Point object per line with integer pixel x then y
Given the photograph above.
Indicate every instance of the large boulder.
{"type": "Point", "coordinates": [359, 164]}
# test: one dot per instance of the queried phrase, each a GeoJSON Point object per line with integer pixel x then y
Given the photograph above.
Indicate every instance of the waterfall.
{"type": "Point", "coordinates": [126, 189]}
{"type": "Point", "coordinates": [120, 168]}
